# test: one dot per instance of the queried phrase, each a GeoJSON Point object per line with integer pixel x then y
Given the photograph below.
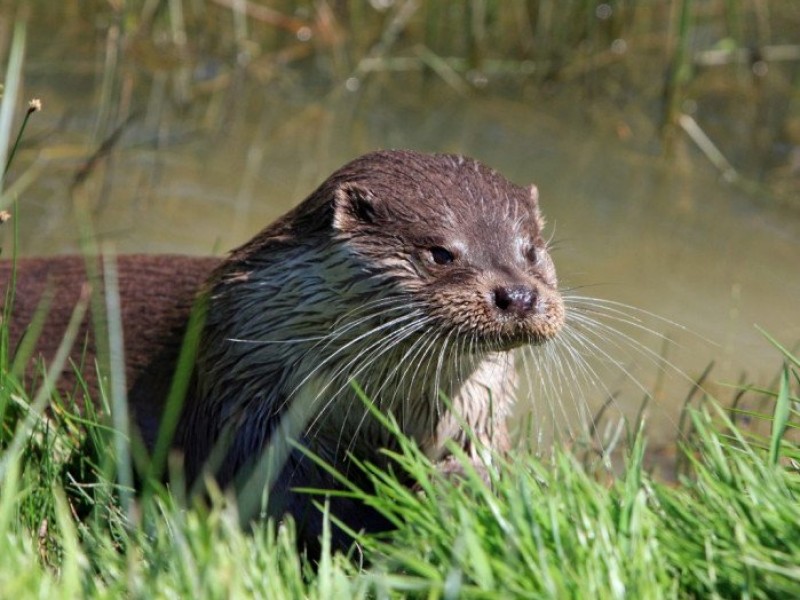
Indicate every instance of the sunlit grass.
{"type": "Point", "coordinates": [537, 529]}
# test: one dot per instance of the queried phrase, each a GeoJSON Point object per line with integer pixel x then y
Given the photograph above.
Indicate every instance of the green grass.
{"type": "Point", "coordinates": [731, 528]}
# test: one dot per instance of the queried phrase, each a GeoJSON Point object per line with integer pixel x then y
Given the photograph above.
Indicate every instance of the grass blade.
{"type": "Point", "coordinates": [119, 401]}
{"type": "Point", "coordinates": [10, 91]}
{"type": "Point", "coordinates": [780, 417]}
{"type": "Point", "coordinates": [795, 360]}
{"type": "Point", "coordinates": [36, 408]}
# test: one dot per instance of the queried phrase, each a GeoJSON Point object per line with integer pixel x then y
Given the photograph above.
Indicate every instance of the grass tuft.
{"type": "Point", "coordinates": [529, 528]}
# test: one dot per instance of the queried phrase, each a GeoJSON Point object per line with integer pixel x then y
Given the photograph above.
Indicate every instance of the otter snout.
{"type": "Point", "coordinates": [519, 300]}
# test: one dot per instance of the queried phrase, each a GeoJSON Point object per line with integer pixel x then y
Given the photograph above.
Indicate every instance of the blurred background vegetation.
{"type": "Point", "coordinates": [664, 136]}
{"type": "Point", "coordinates": [720, 75]}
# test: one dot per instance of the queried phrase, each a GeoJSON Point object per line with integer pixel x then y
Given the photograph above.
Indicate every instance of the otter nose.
{"type": "Point", "coordinates": [517, 299]}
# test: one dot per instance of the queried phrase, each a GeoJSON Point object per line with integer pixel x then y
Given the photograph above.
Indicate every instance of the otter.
{"type": "Point", "coordinates": [411, 275]}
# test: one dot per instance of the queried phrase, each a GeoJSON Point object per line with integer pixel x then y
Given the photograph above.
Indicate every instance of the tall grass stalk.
{"type": "Point", "coordinates": [10, 93]}
{"type": "Point", "coordinates": [118, 391]}
{"type": "Point", "coordinates": [678, 70]}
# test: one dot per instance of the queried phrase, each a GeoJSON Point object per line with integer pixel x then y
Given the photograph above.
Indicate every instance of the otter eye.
{"type": "Point", "coordinates": [530, 254]}
{"type": "Point", "coordinates": [441, 256]}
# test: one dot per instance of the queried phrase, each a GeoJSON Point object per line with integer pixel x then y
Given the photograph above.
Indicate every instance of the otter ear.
{"type": "Point", "coordinates": [353, 204]}
{"type": "Point", "coordinates": [537, 214]}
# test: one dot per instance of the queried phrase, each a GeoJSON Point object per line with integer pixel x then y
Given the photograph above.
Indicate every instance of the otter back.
{"type": "Point", "coordinates": [157, 293]}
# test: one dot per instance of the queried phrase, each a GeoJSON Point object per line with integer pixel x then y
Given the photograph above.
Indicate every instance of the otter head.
{"type": "Point", "coordinates": [457, 240]}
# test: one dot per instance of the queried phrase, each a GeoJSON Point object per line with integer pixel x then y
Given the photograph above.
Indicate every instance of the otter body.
{"type": "Point", "coordinates": [413, 275]}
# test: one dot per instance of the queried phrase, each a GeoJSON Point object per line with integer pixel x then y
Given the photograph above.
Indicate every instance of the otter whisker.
{"type": "Point", "coordinates": [438, 371]}
{"type": "Point", "coordinates": [584, 375]}
{"type": "Point", "coordinates": [407, 385]}
{"type": "Point", "coordinates": [549, 382]}
{"type": "Point", "coordinates": [345, 327]}
{"type": "Point", "coordinates": [620, 308]}
{"type": "Point", "coordinates": [341, 326]}
{"type": "Point", "coordinates": [595, 349]}
{"type": "Point", "coordinates": [344, 372]}
{"type": "Point", "coordinates": [373, 349]}
{"type": "Point", "coordinates": [422, 360]}
{"type": "Point", "coordinates": [385, 407]}
{"type": "Point", "coordinates": [373, 352]}
{"type": "Point", "coordinates": [413, 349]}
{"type": "Point", "coordinates": [408, 316]}
{"type": "Point", "coordinates": [607, 332]}
{"type": "Point", "coordinates": [396, 378]}
{"type": "Point", "coordinates": [580, 374]}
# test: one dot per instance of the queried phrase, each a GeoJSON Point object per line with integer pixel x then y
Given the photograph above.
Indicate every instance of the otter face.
{"type": "Point", "coordinates": [459, 241]}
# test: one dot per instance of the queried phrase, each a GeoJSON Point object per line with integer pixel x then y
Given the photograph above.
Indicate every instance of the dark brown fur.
{"type": "Point", "coordinates": [157, 291]}
{"type": "Point", "coordinates": [432, 261]}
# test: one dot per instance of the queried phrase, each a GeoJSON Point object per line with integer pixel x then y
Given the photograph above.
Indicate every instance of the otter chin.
{"type": "Point", "coordinates": [413, 275]}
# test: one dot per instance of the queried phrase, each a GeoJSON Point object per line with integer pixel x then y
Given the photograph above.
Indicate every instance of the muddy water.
{"type": "Point", "coordinates": [664, 236]}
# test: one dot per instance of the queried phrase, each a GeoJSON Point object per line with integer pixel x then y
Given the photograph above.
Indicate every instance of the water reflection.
{"type": "Point", "coordinates": [664, 236]}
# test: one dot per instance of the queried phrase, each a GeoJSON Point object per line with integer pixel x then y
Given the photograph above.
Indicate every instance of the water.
{"type": "Point", "coordinates": [664, 235]}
